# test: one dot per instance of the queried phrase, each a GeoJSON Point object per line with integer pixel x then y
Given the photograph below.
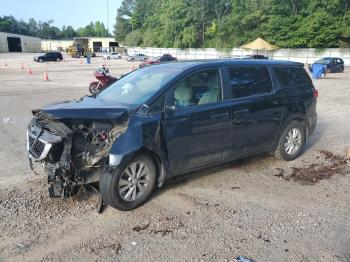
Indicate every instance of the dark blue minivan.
{"type": "Point", "coordinates": [169, 119]}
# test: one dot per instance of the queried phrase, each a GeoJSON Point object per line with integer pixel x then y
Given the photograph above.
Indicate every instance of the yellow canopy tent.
{"type": "Point", "coordinates": [259, 44]}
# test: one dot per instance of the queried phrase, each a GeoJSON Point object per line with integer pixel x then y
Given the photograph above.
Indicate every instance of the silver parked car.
{"type": "Point", "coordinates": [137, 57]}
{"type": "Point", "coordinates": [113, 55]}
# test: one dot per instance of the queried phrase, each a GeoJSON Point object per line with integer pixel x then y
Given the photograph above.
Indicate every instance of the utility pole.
{"type": "Point", "coordinates": [107, 19]}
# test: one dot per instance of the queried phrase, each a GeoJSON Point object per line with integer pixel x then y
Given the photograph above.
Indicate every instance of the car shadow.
{"type": "Point", "coordinates": [181, 180]}
{"type": "Point", "coordinates": [316, 136]}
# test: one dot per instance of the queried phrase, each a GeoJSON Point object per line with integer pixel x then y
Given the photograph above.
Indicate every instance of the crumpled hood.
{"type": "Point", "coordinates": [85, 108]}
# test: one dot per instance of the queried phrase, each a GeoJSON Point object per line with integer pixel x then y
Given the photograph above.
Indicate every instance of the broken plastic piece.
{"type": "Point", "coordinates": [244, 259]}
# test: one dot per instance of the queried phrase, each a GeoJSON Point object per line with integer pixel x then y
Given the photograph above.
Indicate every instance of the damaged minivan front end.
{"type": "Point", "coordinates": [111, 144]}
{"type": "Point", "coordinates": [73, 149]}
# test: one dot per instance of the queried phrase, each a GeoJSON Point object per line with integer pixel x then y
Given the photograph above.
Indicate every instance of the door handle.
{"type": "Point", "coordinates": [245, 110]}
{"type": "Point", "coordinates": [219, 115]}
{"type": "Point", "coordinates": [181, 119]}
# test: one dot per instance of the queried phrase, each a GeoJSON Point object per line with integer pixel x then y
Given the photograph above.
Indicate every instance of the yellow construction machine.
{"type": "Point", "coordinates": [80, 48]}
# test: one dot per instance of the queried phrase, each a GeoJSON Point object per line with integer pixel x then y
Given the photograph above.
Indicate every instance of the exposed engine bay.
{"type": "Point", "coordinates": [73, 152]}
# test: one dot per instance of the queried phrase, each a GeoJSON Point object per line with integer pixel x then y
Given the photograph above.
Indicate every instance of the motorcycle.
{"type": "Point", "coordinates": [104, 80]}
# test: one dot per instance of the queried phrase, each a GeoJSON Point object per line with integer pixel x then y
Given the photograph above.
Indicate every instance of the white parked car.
{"type": "Point", "coordinates": [137, 57]}
{"type": "Point", "coordinates": [112, 56]}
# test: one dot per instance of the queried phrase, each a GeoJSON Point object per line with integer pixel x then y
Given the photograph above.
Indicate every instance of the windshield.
{"type": "Point", "coordinates": [137, 87]}
{"type": "Point", "coordinates": [323, 61]}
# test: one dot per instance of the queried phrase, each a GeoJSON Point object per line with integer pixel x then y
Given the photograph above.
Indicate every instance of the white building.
{"type": "Point", "coordinates": [95, 43]}
{"type": "Point", "coordinates": [19, 43]}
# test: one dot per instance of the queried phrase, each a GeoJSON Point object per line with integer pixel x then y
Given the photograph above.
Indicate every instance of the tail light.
{"type": "Point", "coordinates": [315, 93]}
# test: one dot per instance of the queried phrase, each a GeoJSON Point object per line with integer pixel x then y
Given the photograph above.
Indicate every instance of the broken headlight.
{"type": "Point", "coordinates": [114, 160]}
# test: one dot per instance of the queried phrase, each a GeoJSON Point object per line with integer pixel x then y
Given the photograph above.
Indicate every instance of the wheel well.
{"type": "Point", "coordinates": [299, 119]}
{"type": "Point", "coordinates": [296, 108]}
{"type": "Point", "coordinates": [157, 161]}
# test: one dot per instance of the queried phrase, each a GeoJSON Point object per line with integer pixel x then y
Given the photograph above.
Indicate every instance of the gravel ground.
{"type": "Point", "coordinates": [259, 207]}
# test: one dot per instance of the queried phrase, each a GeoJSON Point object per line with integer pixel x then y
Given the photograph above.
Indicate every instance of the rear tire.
{"type": "Point", "coordinates": [108, 58]}
{"type": "Point", "coordinates": [291, 142]}
{"type": "Point", "coordinates": [125, 189]}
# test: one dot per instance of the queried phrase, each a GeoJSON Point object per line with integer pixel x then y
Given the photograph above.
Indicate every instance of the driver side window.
{"type": "Point", "coordinates": [200, 88]}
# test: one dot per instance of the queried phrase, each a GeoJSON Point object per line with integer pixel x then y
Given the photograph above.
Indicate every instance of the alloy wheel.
{"type": "Point", "coordinates": [292, 141]}
{"type": "Point", "coordinates": [134, 181]}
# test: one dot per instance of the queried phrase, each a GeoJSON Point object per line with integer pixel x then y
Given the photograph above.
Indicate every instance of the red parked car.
{"type": "Point", "coordinates": [159, 59]}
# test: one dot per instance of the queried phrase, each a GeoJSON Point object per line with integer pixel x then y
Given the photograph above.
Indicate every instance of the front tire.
{"type": "Point", "coordinates": [129, 186]}
{"type": "Point", "coordinates": [291, 142]}
{"type": "Point", "coordinates": [93, 88]}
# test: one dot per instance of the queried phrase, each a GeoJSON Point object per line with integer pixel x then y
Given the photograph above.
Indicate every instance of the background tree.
{"type": "Point", "coordinates": [230, 23]}
{"type": "Point", "coordinates": [45, 29]}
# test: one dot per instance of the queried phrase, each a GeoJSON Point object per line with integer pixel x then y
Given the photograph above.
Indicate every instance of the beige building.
{"type": "Point", "coordinates": [95, 43]}
{"type": "Point", "coordinates": [19, 43]}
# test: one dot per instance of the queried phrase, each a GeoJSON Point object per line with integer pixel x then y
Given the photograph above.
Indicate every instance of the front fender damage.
{"type": "Point", "coordinates": [73, 152]}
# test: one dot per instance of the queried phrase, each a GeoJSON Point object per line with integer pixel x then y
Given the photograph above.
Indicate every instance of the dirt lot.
{"type": "Point", "coordinates": [260, 207]}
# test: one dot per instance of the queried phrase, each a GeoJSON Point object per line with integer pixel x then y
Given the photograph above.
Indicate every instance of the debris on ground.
{"type": "Point", "coordinates": [331, 157]}
{"type": "Point", "coordinates": [263, 238]}
{"type": "Point", "coordinates": [22, 245]}
{"type": "Point", "coordinates": [141, 227]}
{"type": "Point", "coordinates": [7, 120]}
{"type": "Point", "coordinates": [333, 164]}
{"type": "Point", "coordinates": [279, 172]}
{"type": "Point", "coordinates": [244, 259]}
{"type": "Point", "coordinates": [163, 232]}
{"type": "Point", "coordinates": [167, 225]}
{"type": "Point", "coordinates": [328, 165]}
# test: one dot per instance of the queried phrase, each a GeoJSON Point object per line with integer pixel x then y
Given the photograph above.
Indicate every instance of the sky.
{"type": "Point", "coordinates": [77, 13]}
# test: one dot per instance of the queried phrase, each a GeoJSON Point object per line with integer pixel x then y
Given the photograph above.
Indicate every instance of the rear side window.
{"type": "Point", "coordinates": [292, 76]}
{"type": "Point", "coordinates": [249, 81]}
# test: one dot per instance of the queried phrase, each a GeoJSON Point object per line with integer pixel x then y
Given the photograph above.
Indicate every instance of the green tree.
{"type": "Point", "coordinates": [134, 38]}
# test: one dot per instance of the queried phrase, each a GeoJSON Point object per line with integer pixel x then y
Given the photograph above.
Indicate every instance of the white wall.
{"type": "Point", "coordinates": [29, 44]}
{"type": "Point", "coordinates": [55, 45]}
{"type": "Point", "coordinates": [307, 55]}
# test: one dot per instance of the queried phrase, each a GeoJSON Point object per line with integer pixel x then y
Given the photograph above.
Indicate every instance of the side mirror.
{"type": "Point", "coordinates": [144, 109]}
